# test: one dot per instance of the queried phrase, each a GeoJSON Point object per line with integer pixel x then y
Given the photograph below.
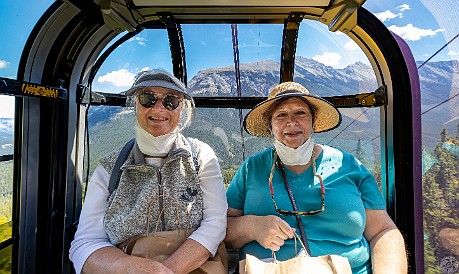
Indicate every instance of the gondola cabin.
{"type": "Point", "coordinates": [400, 110]}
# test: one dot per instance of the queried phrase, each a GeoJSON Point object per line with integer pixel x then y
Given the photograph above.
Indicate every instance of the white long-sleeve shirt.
{"type": "Point", "coordinates": [91, 236]}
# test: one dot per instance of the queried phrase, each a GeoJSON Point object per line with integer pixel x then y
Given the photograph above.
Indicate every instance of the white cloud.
{"type": "Point", "coordinates": [387, 15]}
{"type": "Point", "coordinates": [6, 106]}
{"type": "Point", "coordinates": [118, 78]}
{"type": "Point", "coordinates": [4, 64]}
{"type": "Point", "coordinates": [328, 58]}
{"type": "Point", "coordinates": [452, 53]}
{"type": "Point", "coordinates": [140, 40]}
{"type": "Point", "coordinates": [403, 7]}
{"type": "Point", "coordinates": [351, 46]}
{"type": "Point", "coordinates": [203, 43]}
{"type": "Point", "coordinates": [412, 33]}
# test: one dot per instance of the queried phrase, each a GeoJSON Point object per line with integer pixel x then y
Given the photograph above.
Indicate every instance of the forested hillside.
{"type": "Point", "coordinates": [441, 203]}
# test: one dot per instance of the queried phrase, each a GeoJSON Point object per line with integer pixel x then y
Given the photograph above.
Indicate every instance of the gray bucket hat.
{"type": "Point", "coordinates": [157, 78]}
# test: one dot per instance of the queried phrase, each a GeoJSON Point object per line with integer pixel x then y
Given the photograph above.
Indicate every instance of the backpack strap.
{"type": "Point", "coordinates": [116, 172]}
{"type": "Point", "coordinates": [193, 154]}
{"type": "Point", "coordinates": [122, 157]}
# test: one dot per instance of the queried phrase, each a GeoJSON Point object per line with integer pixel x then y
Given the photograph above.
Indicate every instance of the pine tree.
{"type": "Point", "coordinates": [448, 176]}
{"type": "Point", "coordinates": [435, 209]}
{"type": "Point", "coordinates": [443, 135]}
{"type": "Point", "coordinates": [377, 173]}
{"type": "Point", "coordinates": [430, 262]}
{"type": "Point", "coordinates": [360, 153]}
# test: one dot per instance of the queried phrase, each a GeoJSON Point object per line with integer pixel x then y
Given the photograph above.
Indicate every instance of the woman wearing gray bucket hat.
{"type": "Point", "coordinates": [160, 177]}
{"type": "Point", "coordinates": [323, 194]}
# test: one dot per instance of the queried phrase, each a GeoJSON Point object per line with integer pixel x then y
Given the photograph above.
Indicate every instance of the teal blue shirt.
{"type": "Point", "coordinates": [349, 189]}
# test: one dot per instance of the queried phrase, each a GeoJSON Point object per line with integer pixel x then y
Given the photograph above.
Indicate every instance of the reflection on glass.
{"type": "Point", "coordinates": [212, 72]}
{"type": "Point", "coordinates": [220, 128]}
{"type": "Point", "coordinates": [207, 46]}
{"type": "Point", "coordinates": [147, 50]}
{"type": "Point", "coordinates": [109, 129]}
{"type": "Point", "coordinates": [6, 259]}
{"type": "Point", "coordinates": [331, 64]}
{"type": "Point", "coordinates": [6, 177]}
{"type": "Point", "coordinates": [5, 229]}
{"type": "Point", "coordinates": [322, 56]}
{"type": "Point", "coordinates": [440, 155]}
{"type": "Point", "coordinates": [358, 134]}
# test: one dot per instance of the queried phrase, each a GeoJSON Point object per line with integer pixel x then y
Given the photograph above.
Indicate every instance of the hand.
{"type": "Point", "coordinates": [271, 231]}
{"type": "Point", "coordinates": [111, 259]}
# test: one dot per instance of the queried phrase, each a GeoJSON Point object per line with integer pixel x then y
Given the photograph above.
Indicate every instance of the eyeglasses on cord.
{"type": "Point", "coordinates": [293, 213]}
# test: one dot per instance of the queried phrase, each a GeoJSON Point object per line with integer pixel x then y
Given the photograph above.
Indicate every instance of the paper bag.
{"type": "Point", "coordinates": [301, 264]}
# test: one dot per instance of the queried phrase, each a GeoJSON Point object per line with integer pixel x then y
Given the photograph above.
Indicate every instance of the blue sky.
{"type": "Point", "coordinates": [424, 24]}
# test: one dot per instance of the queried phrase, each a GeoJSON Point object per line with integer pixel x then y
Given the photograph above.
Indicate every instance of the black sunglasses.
{"type": "Point", "coordinates": [149, 99]}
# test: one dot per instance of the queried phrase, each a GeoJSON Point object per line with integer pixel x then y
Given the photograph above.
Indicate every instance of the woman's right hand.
{"type": "Point", "coordinates": [271, 231]}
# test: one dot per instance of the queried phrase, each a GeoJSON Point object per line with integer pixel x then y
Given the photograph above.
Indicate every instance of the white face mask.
{"type": "Point", "coordinates": [154, 146]}
{"type": "Point", "coordinates": [295, 156]}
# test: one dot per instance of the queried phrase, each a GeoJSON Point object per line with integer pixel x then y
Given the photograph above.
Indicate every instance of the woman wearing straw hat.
{"type": "Point", "coordinates": [165, 177]}
{"type": "Point", "coordinates": [323, 194]}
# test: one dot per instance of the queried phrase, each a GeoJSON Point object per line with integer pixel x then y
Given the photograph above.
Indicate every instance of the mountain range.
{"type": "Point", "coordinates": [220, 127]}
{"type": "Point", "coordinates": [438, 81]}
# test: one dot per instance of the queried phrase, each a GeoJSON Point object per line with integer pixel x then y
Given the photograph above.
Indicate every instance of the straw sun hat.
{"type": "Point", "coordinates": [326, 116]}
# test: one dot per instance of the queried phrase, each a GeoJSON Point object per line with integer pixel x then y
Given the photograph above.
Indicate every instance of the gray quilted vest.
{"type": "Point", "coordinates": [173, 189]}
